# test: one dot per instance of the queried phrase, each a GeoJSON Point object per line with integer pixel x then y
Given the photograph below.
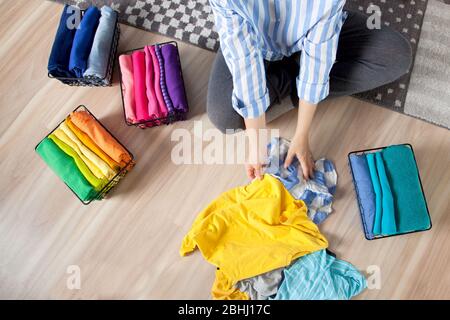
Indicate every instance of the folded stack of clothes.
{"type": "Point", "coordinates": [389, 192]}
{"type": "Point", "coordinates": [82, 50]}
{"type": "Point", "coordinates": [84, 155]}
{"type": "Point", "coordinates": [264, 239]}
{"type": "Point", "coordinates": [152, 86]}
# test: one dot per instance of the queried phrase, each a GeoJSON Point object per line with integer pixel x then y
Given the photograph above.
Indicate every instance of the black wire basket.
{"type": "Point", "coordinates": [364, 225]}
{"type": "Point", "coordinates": [95, 81]}
{"type": "Point", "coordinates": [171, 118]}
{"type": "Point", "coordinates": [102, 194]}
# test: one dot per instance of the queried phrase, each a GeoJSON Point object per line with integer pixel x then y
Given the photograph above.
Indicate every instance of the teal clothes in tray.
{"type": "Point", "coordinates": [409, 202]}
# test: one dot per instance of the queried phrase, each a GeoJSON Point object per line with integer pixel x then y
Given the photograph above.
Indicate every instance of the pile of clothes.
{"type": "Point", "coordinates": [264, 239]}
{"type": "Point", "coordinates": [82, 45]}
{"type": "Point", "coordinates": [389, 192]}
{"type": "Point", "coordinates": [84, 155]}
{"type": "Point", "coordinates": [152, 86]}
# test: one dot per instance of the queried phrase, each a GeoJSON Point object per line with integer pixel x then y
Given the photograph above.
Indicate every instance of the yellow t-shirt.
{"type": "Point", "coordinates": [251, 230]}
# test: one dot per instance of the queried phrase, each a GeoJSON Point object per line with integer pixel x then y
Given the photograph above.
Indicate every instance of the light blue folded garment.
{"type": "Point", "coordinates": [97, 65]}
{"type": "Point", "coordinates": [366, 194]}
{"type": "Point", "coordinates": [320, 276]}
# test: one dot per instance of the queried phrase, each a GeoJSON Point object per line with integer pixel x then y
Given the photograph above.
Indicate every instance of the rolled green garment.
{"type": "Point", "coordinates": [378, 194]}
{"type": "Point", "coordinates": [410, 205]}
{"type": "Point", "coordinates": [388, 225]}
{"type": "Point", "coordinates": [97, 183]}
{"type": "Point", "coordinates": [66, 169]}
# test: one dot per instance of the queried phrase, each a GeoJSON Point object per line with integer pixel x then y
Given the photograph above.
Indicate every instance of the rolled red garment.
{"type": "Point", "coordinates": [139, 77]}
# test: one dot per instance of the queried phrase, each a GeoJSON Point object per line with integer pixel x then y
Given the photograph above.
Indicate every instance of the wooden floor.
{"type": "Point", "coordinates": [127, 246]}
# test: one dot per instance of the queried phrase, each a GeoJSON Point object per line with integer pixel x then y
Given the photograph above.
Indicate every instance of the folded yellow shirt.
{"type": "Point", "coordinates": [251, 230]}
{"type": "Point", "coordinates": [87, 141]}
{"type": "Point", "coordinates": [95, 182]}
{"type": "Point", "coordinates": [105, 170]}
{"type": "Point", "coordinates": [61, 135]}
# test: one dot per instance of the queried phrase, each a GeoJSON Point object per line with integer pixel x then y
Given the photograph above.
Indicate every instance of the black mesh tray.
{"type": "Point", "coordinates": [114, 181]}
{"type": "Point", "coordinates": [95, 81]}
{"type": "Point", "coordinates": [172, 118]}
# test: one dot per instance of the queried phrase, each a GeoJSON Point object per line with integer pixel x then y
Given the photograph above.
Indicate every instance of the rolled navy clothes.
{"type": "Point", "coordinates": [366, 193]}
{"type": "Point", "coordinates": [174, 80]}
{"type": "Point", "coordinates": [58, 63]}
{"type": "Point", "coordinates": [97, 65]}
{"type": "Point", "coordinates": [82, 43]}
{"type": "Point", "coordinates": [140, 90]}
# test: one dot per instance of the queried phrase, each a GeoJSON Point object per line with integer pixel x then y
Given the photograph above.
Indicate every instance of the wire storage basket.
{"type": "Point", "coordinates": [173, 117]}
{"type": "Point", "coordinates": [96, 81]}
{"type": "Point", "coordinates": [113, 182]}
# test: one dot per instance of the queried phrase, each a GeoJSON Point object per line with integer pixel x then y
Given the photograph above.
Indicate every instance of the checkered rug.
{"type": "Point", "coordinates": [192, 21]}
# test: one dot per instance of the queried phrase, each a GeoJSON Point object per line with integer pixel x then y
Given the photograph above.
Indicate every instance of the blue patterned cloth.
{"type": "Point", "coordinates": [163, 85]}
{"type": "Point", "coordinates": [317, 193]}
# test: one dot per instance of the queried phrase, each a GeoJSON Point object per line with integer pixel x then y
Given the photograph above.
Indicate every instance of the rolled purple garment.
{"type": "Point", "coordinates": [174, 80]}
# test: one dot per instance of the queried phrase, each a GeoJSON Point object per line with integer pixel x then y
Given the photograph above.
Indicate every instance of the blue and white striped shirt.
{"type": "Point", "coordinates": [253, 30]}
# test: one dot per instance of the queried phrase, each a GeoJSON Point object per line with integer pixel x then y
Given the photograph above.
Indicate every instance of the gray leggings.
{"type": "Point", "coordinates": [366, 59]}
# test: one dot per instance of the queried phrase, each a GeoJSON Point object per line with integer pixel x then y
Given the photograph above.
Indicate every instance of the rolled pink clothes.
{"type": "Point", "coordinates": [139, 77]}
{"type": "Point", "coordinates": [126, 69]}
{"type": "Point", "coordinates": [162, 108]}
{"type": "Point", "coordinates": [153, 107]}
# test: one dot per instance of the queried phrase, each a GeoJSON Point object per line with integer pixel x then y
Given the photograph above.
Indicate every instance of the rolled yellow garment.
{"type": "Point", "coordinates": [98, 184]}
{"type": "Point", "coordinates": [87, 141]}
{"type": "Point", "coordinates": [61, 135]}
{"type": "Point", "coordinates": [94, 158]}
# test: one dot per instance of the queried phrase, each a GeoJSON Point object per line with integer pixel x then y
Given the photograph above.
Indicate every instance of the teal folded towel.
{"type": "Point", "coordinates": [403, 175]}
{"type": "Point", "coordinates": [388, 225]}
{"type": "Point", "coordinates": [378, 194]}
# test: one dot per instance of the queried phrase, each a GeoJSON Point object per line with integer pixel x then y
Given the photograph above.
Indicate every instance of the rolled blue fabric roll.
{"type": "Point", "coordinates": [366, 193]}
{"type": "Point", "coordinates": [97, 65]}
{"type": "Point", "coordinates": [82, 43]}
{"type": "Point", "coordinates": [58, 62]}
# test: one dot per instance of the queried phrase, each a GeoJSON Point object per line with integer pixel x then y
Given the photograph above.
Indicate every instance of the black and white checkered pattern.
{"type": "Point", "coordinates": [186, 20]}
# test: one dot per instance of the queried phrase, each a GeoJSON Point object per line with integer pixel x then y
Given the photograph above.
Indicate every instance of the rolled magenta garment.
{"type": "Point", "coordinates": [139, 77]}
{"type": "Point", "coordinates": [153, 105]}
{"type": "Point", "coordinates": [126, 69]}
{"type": "Point", "coordinates": [174, 80]}
{"type": "Point", "coordinates": [102, 138]}
{"type": "Point", "coordinates": [162, 110]}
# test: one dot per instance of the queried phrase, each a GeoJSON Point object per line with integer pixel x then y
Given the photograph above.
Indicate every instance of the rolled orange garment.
{"type": "Point", "coordinates": [87, 123]}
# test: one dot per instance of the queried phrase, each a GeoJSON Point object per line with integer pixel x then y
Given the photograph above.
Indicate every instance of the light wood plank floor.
{"type": "Point", "coordinates": [127, 246]}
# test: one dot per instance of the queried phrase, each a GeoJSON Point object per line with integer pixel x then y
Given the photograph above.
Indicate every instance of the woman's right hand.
{"type": "Point", "coordinates": [257, 157]}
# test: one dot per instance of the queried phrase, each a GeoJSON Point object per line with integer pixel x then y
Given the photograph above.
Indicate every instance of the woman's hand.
{"type": "Point", "coordinates": [300, 148]}
{"type": "Point", "coordinates": [300, 143]}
